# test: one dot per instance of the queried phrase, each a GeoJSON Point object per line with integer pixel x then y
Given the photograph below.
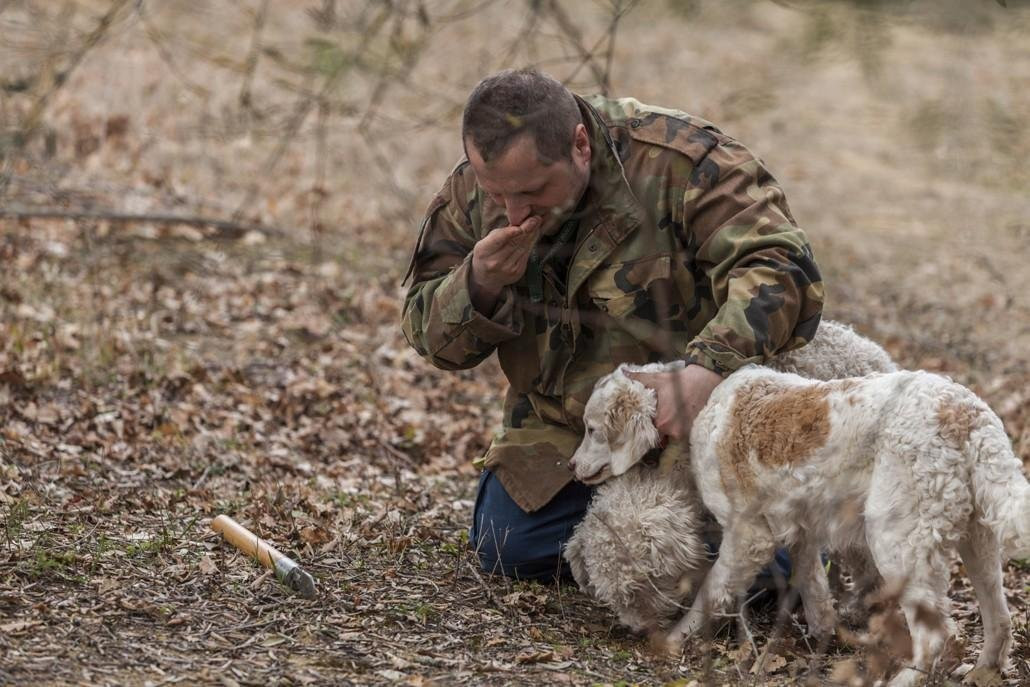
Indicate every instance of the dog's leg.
{"type": "Point", "coordinates": [865, 580]}
{"type": "Point", "coordinates": [918, 567]}
{"type": "Point", "coordinates": [809, 577]}
{"type": "Point", "coordinates": [981, 554]}
{"type": "Point", "coordinates": [746, 546]}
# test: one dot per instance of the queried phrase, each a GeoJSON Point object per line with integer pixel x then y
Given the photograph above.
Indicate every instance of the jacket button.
{"type": "Point", "coordinates": [634, 123]}
{"type": "Point", "coordinates": [592, 247]}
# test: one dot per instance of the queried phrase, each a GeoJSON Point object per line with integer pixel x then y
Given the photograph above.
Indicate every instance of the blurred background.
{"type": "Point", "coordinates": [897, 127]}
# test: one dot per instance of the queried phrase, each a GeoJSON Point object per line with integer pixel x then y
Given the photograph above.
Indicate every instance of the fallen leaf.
{"type": "Point", "coordinates": [535, 656]}
{"type": "Point", "coordinates": [207, 566]}
{"type": "Point", "coordinates": [19, 626]}
{"type": "Point", "coordinates": [771, 664]}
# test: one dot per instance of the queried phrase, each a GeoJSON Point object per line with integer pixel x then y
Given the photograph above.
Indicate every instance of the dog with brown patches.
{"type": "Point", "coordinates": [640, 549]}
{"type": "Point", "coordinates": [783, 460]}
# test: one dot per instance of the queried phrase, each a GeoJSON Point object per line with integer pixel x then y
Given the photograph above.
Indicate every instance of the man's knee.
{"type": "Point", "coordinates": [526, 546]}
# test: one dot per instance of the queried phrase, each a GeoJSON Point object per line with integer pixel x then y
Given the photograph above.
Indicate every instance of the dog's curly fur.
{"type": "Point", "coordinates": [638, 547]}
{"type": "Point", "coordinates": [642, 571]}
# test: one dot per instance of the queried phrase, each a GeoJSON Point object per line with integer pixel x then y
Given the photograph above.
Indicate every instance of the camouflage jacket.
{"type": "Point", "coordinates": [685, 248]}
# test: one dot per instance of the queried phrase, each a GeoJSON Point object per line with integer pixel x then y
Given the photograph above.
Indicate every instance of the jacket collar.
{"type": "Point", "coordinates": [618, 211]}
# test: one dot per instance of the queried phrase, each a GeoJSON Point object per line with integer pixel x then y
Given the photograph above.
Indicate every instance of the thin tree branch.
{"type": "Point", "coordinates": [305, 105]}
{"type": "Point", "coordinates": [230, 229]}
{"type": "Point", "coordinates": [157, 39]}
{"type": "Point", "coordinates": [575, 37]}
{"type": "Point", "coordinates": [252, 56]}
{"type": "Point", "coordinates": [31, 121]}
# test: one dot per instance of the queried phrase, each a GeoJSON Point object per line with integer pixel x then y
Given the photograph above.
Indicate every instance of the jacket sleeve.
{"type": "Point", "coordinates": [439, 320]}
{"type": "Point", "coordinates": [759, 264]}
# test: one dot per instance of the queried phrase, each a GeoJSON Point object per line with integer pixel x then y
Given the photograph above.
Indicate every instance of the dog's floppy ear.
{"type": "Point", "coordinates": [629, 425]}
{"type": "Point", "coordinates": [623, 404]}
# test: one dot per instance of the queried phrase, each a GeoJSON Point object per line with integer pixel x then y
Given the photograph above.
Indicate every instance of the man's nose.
{"type": "Point", "coordinates": [517, 212]}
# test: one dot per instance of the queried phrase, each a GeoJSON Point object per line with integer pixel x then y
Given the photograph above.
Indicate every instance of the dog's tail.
{"type": "Point", "coordinates": [1000, 488]}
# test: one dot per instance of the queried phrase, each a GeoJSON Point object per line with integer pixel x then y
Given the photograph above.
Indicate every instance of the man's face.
{"type": "Point", "coordinates": [525, 187]}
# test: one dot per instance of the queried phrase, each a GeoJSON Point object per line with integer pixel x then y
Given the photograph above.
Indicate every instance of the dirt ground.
{"type": "Point", "coordinates": [156, 374]}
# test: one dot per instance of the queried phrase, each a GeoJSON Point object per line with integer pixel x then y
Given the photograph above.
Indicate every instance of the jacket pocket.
{"type": "Point", "coordinates": [617, 288]}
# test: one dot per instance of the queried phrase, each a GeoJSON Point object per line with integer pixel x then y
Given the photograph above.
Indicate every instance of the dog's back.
{"type": "Point", "coordinates": [907, 463]}
{"type": "Point", "coordinates": [779, 442]}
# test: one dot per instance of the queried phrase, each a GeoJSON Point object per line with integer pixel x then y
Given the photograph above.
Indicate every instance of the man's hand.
{"type": "Point", "coordinates": [500, 259]}
{"type": "Point", "coordinates": [681, 396]}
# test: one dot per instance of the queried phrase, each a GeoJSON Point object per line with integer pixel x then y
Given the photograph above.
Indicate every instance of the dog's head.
{"type": "Point", "coordinates": [619, 420]}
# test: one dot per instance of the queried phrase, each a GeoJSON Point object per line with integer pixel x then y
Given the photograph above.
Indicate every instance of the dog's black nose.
{"type": "Point", "coordinates": [572, 465]}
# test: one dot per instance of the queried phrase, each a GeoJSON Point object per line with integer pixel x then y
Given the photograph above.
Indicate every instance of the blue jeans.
{"type": "Point", "coordinates": [528, 546]}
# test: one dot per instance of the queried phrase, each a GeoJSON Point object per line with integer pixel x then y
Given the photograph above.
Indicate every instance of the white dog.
{"type": "Point", "coordinates": [640, 547]}
{"type": "Point", "coordinates": [906, 464]}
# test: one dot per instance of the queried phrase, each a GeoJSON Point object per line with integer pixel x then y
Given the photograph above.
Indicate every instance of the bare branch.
{"type": "Point", "coordinates": [305, 105]}
{"type": "Point", "coordinates": [31, 121]}
{"type": "Point", "coordinates": [575, 37]}
{"type": "Point", "coordinates": [158, 39]}
{"type": "Point", "coordinates": [252, 56]}
{"type": "Point", "coordinates": [228, 228]}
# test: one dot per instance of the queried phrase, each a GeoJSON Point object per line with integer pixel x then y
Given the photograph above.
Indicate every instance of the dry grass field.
{"type": "Point", "coordinates": [154, 374]}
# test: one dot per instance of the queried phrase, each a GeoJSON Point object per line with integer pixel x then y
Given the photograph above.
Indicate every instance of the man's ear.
{"type": "Point", "coordinates": [581, 144]}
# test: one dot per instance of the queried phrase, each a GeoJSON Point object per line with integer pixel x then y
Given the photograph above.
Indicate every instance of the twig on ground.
{"type": "Point", "coordinates": [485, 587]}
{"type": "Point", "coordinates": [397, 453]}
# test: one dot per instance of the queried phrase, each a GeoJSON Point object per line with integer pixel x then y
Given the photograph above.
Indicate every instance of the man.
{"type": "Point", "coordinates": [581, 234]}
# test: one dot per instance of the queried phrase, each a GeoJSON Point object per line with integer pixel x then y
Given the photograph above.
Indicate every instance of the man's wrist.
{"type": "Point", "coordinates": [703, 376]}
{"type": "Point", "coordinates": [484, 298]}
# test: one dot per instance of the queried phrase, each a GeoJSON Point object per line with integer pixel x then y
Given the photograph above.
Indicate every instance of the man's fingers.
{"type": "Point", "coordinates": [515, 238]}
{"type": "Point", "coordinates": [530, 225]}
{"type": "Point", "coordinates": [502, 236]}
{"type": "Point", "coordinates": [500, 257]}
{"type": "Point", "coordinates": [512, 252]}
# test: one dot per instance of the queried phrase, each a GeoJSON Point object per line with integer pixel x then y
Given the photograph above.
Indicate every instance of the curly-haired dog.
{"type": "Point", "coordinates": [779, 459]}
{"type": "Point", "coordinates": [639, 549]}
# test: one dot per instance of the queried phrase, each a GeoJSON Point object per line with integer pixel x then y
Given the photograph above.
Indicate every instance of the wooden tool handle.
{"type": "Point", "coordinates": [246, 541]}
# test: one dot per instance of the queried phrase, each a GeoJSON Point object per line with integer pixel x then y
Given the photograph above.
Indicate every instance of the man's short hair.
{"type": "Point", "coordinates": [512, 103]}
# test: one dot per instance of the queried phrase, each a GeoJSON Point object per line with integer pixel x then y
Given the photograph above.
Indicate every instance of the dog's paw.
{"type": "Point", "coordinates": [854, 613]}
{"type": "Point", "coordinates": [666, 644]}
{"type": "Point", "coordinates": [983, 677]}
{"type": "Point", "coordinates": [821, 633]}
{"type": "Point", "coordinates": [821, 625]}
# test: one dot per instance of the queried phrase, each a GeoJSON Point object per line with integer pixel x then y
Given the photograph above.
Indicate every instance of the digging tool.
{"type": "Point", "coordinates": [287, 570]}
